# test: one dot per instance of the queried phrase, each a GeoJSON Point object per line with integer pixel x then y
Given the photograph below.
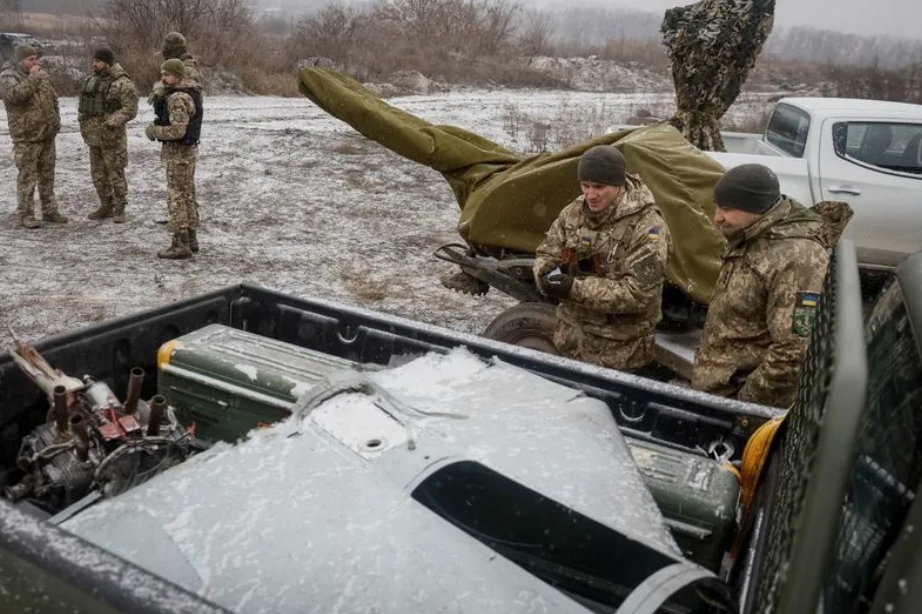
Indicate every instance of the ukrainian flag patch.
{"type": "Point", "coordinates": [805, 313]}
{"type": "Point", "coordinates": [808, 299]}
{"type": "Point", "coordinates": [654, 234]}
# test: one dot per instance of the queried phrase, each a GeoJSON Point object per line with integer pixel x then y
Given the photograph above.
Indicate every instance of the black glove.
{"type": "Point", "coordinates": [558, 285]}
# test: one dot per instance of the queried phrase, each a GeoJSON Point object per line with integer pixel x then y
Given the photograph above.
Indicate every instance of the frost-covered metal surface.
{"type": "Point", "coordinates": [77, 577]}
{"type": "Point", "coordinates": [307, 516]}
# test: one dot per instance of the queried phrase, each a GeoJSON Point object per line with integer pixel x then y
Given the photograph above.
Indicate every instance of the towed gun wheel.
{"type": "Point", "coordinates": [529, 325]}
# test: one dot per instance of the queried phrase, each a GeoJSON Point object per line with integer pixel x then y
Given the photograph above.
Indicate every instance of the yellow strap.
{"type": "Point", "coordinates": [755, 455]}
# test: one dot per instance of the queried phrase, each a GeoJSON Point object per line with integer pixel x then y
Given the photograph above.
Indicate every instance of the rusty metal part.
{"type": "Point", "coordinates": [38, 370]}
{"type": "Point", "coordinates": [134, 390]}
{"type": "Point", "coordinates": [60, 409]}
{"type": "Point", "coordinates": [78, 426]}
{"type": "Point", "coordinates": [157, 409]}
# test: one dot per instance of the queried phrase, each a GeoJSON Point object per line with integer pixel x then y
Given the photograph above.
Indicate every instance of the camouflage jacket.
{"type": "Point", "coordinates": [180, 109]}
{"type": "Point", "coordinates": [31, 104]}
{"type": "Point", "coordinates": [762, 311]}
{"type": "Point", "coordinates": [193, 76]}
{"type": "Point", "coordinates": [119, 105]}
{"type": "Point", "coordinates": [618, 258]}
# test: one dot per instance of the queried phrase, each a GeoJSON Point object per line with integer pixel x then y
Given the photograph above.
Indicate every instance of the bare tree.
{"type": "Point", "coordinates": [215, 29]}
{"type": "Point", "coordinates": [469, 27]}
{"type": "Point", "coordinates": [332, 32]}
{"type": "Point", "coordinates": [10, 14]}
{"type": "Point", "coordinates": [536, 34]}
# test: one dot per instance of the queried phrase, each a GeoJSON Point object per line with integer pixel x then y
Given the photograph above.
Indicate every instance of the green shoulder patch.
{"type": "Point", "coordinates": [647, 269]}
{"type": "Point", "coordinates": [805, 313]}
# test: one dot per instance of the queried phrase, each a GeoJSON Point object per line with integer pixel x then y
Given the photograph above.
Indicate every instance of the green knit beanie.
{"type": "Point", "coordinates": [174, 45]}
{"type": "Point", "coordinates": [24, 51]}
{"type": "Point", "coordinates": [748, 187]}
{"type": "Point", "coordinates": [602, 164]}
{"type": "Point", "coordinates": [174, 67]}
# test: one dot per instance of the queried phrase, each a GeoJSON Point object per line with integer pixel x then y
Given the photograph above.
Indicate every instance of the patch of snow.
{"type": "Point", "coordinates": [249, 370]}
{"type": "Point", "coordinates": [291, 199]}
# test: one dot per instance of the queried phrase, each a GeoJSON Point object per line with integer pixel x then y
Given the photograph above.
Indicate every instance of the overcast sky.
{"type": "Point", "coordinates": [873, 17]}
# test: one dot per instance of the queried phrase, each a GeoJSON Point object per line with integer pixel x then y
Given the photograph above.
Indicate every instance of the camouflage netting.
{"type": "Point", "coordinates": [508, 202]}
{"type": "Point", "coordinates": [712, 46]}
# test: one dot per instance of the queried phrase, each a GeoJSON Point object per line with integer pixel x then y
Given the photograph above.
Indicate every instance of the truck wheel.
{"type": "Point", "coordinates": [529, 325]}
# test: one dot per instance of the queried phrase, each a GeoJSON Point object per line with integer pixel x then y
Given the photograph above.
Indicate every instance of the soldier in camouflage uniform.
{"type": "Point", "coordinates": [174, 48]}
{"type": "Point", "coordinates": [108, 102]}
{"type": "Point", "coordinates": [34, 121]}
{"type": "Point", "coordinates": [178, 125]}
{"type": "Point", "coordinates": [763, 307]}
{"type": "Point", "coordinates": [611, 246]}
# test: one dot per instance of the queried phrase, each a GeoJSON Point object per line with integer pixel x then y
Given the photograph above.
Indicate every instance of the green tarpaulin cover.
{"type": "Point", "coordinates": [508, 201]}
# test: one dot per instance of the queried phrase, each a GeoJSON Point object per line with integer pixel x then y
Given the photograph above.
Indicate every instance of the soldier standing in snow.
{"type": "Point", "coordinates": [34, 121]}
{"type": "Point", "coordinates": [107, 103]}
{"type": "Point", "coordinates": [611, 245]}
{"type": "Point", "coordinates": [178, 125]}
{"type": "Point", "coordinates": [174, 48]}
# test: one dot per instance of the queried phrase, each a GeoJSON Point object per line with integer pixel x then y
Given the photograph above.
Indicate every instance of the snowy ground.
{"type": "Point", "coordinates": [291, 199]}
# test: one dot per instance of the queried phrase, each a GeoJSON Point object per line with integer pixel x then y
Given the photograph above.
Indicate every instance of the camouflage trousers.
{"type": "Point", "coordinates": [35, 161]}
{"type": "Point", "coordinates": [107, 168]}
{"type": "Point", "coordinates": [628, 355]}
{"type": "Point", "coordinates": [180, 185]}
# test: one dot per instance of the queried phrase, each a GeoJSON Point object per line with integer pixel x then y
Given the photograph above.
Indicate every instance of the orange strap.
{"type": "Point", "coordinates": [755, 455]}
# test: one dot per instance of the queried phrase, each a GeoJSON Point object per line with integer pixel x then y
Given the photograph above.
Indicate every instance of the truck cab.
{"type": "Point", "coordinates": [867, 153]}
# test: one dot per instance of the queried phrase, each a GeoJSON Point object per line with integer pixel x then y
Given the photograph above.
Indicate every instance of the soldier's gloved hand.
{"type": "Point", "coordinates": [111, 124]}
{"type": "Point", "coordinates": [558, 285]}
{"type": "Point", "coordinates": [156, 93]}
{"type": "Point", "coordinates": [149, 131]}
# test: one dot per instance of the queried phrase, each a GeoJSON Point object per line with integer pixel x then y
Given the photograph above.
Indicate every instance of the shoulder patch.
{"type": "Point", "coordinates": [805, 313]}
{"type": "Point", "coordinates": [654, 234]}
{"type": "Point", "coordinates": [647, 269]}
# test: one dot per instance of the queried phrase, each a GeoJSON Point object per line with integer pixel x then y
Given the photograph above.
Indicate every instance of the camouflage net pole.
{"type": "Point", "coordinates": [712, 45]}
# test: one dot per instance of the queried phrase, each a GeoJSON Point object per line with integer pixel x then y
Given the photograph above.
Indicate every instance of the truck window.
{"type": "Point", "coordinates": [787, 130]}
{"type": "Point", "coordinates": [890, 147]}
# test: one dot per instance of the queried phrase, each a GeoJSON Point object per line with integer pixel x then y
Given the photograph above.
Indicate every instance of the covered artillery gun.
{"type": "Point", "coordinates": [509, 201]}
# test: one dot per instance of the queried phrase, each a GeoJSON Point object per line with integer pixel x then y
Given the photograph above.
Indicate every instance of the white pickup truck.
{"type": "Point", "coordinates": [867, 153]}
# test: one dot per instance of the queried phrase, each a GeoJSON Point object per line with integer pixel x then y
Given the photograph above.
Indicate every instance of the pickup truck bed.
{"type": "Point", "coordinates": [676, 418]}
{"type": "Point", "coordinates": [835, 507]}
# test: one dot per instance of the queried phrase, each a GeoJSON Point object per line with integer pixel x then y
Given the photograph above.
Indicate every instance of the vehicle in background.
{"type": "Point", "coordinates": [10, 40]}
{"type": "Point", "coordinates": [867, 153]}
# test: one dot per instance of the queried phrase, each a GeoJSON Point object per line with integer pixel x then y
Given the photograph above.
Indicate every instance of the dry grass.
{"type": "Point", "coordinates": [278, 84]}
{"type": "Point", "coordinates": [568, 125]}
{"type": "Point", "coordinates": [54, 25]}
{"type": "Point", "coordinates": [354, 277]}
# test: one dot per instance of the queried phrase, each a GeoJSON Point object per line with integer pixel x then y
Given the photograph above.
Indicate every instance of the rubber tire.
{"type": "Point", "coordinates": [528, 325]}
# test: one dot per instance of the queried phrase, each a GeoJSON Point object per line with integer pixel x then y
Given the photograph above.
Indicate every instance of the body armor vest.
{"type": "Point", "coordinates": [94, 99]}
{"type": "Point", "coordinates": [194, 129]}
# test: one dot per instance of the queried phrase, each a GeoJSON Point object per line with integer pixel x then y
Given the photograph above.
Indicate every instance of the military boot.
{"type": "Point", "coordinates": [55, 217]}
{"type": "Point", "coordinates": [30, 222]}
{"type": "Point", "coordinates": [119, 211]}
{"type": "Point", "coordinates": [193, 240]}
{"type": "Point", "coordinates": [102, 213]}
{"type": "Point", "coordinates": [179, 248]}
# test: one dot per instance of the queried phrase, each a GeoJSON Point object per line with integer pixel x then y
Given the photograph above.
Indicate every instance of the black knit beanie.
{"type": "Point", "coordinates": [748, 187]}
{"type": "Point", "coordinates": [602, 164]}
{"type": "Point", "coordinates": [104, 55]}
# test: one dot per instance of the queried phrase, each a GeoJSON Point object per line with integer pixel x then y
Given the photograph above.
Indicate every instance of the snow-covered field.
{"type": "Point", "coordinates": [291, 199]}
